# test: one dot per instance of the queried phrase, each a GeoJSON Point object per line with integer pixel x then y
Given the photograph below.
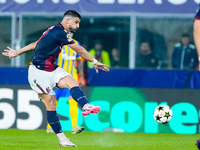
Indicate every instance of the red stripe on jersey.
{"type": "Point", "coordinates": [40, 88]}
{"type": "Point", "coordinates": [49, 65]}
{"type": "Point", "coordinates": [59, 24]}
{"type": "Point", "coordinates": [197, 18]}
{"type": "Point", "coordinates": [46, 32]}
{"type": "Point", "coordinates": [66, 43]}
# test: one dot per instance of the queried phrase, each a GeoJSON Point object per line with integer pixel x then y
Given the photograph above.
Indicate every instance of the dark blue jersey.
{"type": "Point", "coordinates": [49, 46]}
{"type": "Point", "coordinates": [197, 16]}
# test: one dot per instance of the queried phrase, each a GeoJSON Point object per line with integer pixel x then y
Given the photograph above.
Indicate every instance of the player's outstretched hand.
{"type": "Point", "coordinates": [101, 66]}
{"type": "Point", "coordinates": [10, 52]}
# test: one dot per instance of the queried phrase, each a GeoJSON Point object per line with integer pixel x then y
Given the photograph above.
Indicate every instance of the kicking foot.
{"type": "Point", "coordinates": [77, 129]}
{"type": "Point", "coordinates": [66, 142]}
{"type": "Point", "coordinates": [90, 109]}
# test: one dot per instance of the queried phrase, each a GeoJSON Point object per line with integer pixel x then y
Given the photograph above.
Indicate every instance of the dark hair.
{"type": "Point", "coordinates": [72, 13]}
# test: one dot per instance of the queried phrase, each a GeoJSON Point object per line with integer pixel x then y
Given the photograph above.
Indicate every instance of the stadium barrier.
{"type": "Point", "coordinates": [127, 108]}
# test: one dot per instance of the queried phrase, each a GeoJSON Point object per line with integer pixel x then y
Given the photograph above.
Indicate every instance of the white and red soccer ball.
{"type": "Point", "coordinates": [162, 114]}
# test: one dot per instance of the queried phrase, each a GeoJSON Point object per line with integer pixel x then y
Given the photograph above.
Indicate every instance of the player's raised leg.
{"type": "Point", "coordinates": [53, 120]}
{"type": "Point", "coordinates": [78, 95]}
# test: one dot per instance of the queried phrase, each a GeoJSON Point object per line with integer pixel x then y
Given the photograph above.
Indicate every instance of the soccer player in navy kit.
{"type": "Point", "coordinates": [196, 34]}
{"type": "Point", "coordinates": [44, 74]}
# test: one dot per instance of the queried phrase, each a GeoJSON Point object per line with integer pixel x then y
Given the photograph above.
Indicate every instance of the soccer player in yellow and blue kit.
{"type": "Point", "coordinates": [66, 60]}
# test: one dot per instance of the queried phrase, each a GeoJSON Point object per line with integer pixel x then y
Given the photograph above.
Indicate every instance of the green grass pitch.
{"type": "Point", "coordinates": [14, 139]}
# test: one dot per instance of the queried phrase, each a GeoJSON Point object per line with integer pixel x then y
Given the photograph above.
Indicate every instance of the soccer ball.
{"type": "Point", "coordinates": [162, 114]}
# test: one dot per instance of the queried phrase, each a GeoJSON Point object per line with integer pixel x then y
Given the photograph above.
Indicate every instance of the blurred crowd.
{"type": "Point", "coordinates": [183, 57]}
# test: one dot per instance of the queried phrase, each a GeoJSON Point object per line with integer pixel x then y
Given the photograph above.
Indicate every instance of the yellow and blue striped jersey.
{"type": "Point", "coordinates": [66, 60]}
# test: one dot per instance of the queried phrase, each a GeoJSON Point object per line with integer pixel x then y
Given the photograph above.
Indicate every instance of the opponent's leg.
{"type": "Point", "coordinates": [78, 95]}
{"type": "Point", "coordinates": [73, 109]}
{"type": "Point", "coordinates": [49, 129]}
{"type": "Point", "coordinates": [52, 118]}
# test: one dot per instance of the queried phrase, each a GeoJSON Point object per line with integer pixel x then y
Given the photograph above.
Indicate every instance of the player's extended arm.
{"type": "Point", "coordinates": [13, 53]}
{"type": "Point", "coordinates": [80, 71]}
{"type": "Point", "coordinates": [196, 34]}
{"type": "Point", "coordinates": [83, 53]}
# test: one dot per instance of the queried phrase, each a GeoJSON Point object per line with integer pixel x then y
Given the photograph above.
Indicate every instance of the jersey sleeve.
{"type": "Point", "coordinates": [63, 38]}
{"type": "Point", "coordinates": [197, 16]}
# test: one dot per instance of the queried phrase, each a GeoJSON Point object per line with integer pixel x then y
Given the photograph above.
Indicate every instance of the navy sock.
{"type": "Point", "coordinates": [54, 121]}
{"type": "Point", "coordinates": [79, 96]}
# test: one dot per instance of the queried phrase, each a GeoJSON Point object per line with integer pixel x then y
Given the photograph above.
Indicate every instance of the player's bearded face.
{"type": "Point", "coordinates": [72, 30]}
{"type": "Point", "coordinates": [74, 25]}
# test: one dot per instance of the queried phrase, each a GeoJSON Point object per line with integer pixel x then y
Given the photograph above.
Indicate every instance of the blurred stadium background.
{"type": "Point", "coordinates": [127, 94]}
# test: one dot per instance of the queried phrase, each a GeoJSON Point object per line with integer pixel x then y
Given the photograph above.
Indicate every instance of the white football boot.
{"type": "Point", "coordinates": [66, 142]}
